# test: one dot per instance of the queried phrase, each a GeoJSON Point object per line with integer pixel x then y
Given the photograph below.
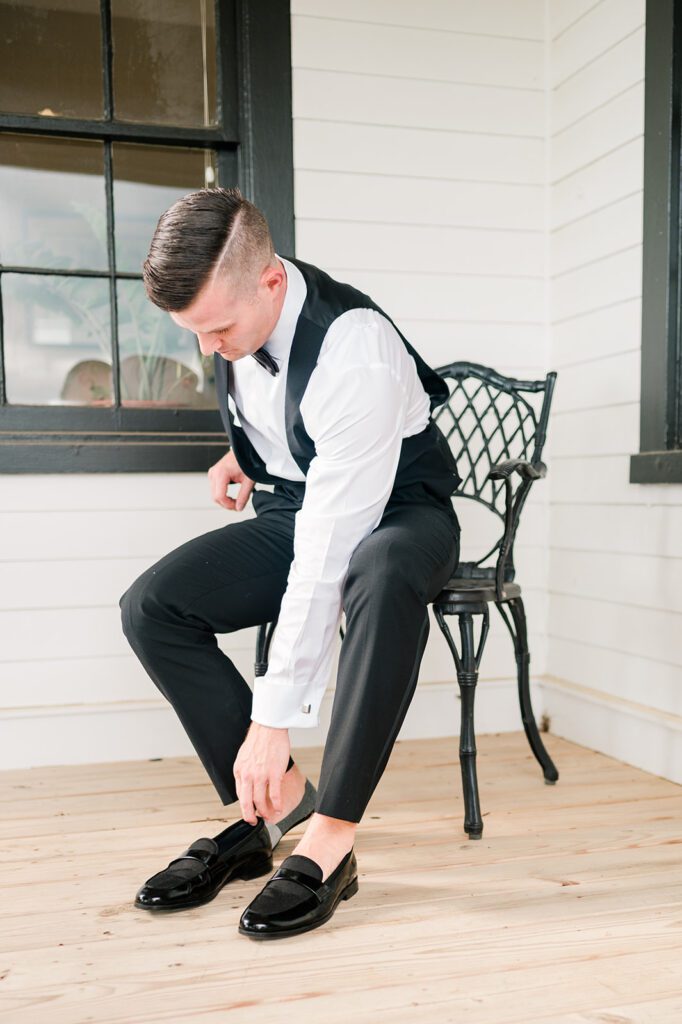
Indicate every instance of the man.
{"type": "Point", "coordinates": [335, 412]}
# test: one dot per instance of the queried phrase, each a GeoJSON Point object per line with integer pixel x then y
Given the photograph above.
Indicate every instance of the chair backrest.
{"type": "Point", "coordinates": [488, 419]}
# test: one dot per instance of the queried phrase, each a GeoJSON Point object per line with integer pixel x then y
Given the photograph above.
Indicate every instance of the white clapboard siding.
{"type": "Point", "coordinates": [413, 103]}
{"type": "Point", "coordinates": [419, 176]}
{"type": "Point", "coordinates": [615, 601]}
{"type": "Point", "coordinates": [592, 336]}
{"type": "Point", "coordinates": [649, 582]}
{"type": "Point", "coordinates": [619, 673]}
{"type": "Point", "coordinates": [425, 250]}
{"type": "Point", "coordinates": [359, 198]}
{"type": "Point", "coordinates": [593, 185]}
{"type": "Point", "coordinates": [339, 45]}
{"type": "Point", "coordinates": [607, 127]}
{"type": "Point", "coordinates": [602, 25]}
{"type": "Point", "coordinates": [614, 228]}
{"type": "Point", "coordinates": [630, 531]}
{"type": "Point", "coordinates": [521, 20]}
{"type": "Point", "coordinates": [599, 384]}
{"type": "Point", "coordinates": [418, 153]}
{"type": "Point", "coordinates": [608, 76]}
{"type": "Point", "coordinates": [604, 282]}
{"type": "Point", "coordinates": [563, 15]}
{"type": "Point", "coordinates": [473, 296]}
{"type": "Point", "coordinates": [603, 480]}
{"type": "Point", "coordinates": [612, 431]}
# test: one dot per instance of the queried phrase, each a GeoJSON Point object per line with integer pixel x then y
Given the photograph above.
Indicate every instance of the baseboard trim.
{"type": "Point", "coordinates": [625, 730]}
{"type": "Point", "coordinates": [127, 730]}
{"type": "Point", "coordinates": [629, 732]}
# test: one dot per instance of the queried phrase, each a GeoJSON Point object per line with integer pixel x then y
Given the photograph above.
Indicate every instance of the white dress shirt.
{"type": "Point", "coordinates": [363, 397]}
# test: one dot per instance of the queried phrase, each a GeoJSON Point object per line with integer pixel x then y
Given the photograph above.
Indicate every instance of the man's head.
{"type": "Point", "coordinates": [212, 267]}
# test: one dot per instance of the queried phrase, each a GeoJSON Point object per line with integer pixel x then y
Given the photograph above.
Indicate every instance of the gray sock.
{"type": "Point", "coordinates": [302, 810]}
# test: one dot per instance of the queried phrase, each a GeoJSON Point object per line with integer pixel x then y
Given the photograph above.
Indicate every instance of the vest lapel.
{"type": "Point", "coordinates": [248, 458]}
{"type": "Point", "coordinates": [303, 355]}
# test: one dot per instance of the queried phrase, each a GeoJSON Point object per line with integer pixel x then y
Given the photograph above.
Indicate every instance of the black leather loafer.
{"type": "Point", "coordinates": [276, 913]}
{"type": "Point", "coordinates": [198, 874]}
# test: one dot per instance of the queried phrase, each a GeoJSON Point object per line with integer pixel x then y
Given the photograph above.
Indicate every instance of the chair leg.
{"type": "Point", "coordinates": [264, 636]}
{"type": "Point", "coordinates": [467, 677]}
{"type": "Point", "coordinates": [519, 635]}
{"type": "Point", "coordinates": [263, 640]}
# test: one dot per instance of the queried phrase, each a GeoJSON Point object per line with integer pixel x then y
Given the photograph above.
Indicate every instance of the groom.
{"type": "Point", "coordinates": [334, 408]}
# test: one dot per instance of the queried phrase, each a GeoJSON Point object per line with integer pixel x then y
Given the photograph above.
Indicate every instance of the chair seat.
{"type": "Point", "coordinates": [460, 589]}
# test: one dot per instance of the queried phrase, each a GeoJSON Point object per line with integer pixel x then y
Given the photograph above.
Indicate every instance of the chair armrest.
{"type": "Point", "coordinates": [529, 470]}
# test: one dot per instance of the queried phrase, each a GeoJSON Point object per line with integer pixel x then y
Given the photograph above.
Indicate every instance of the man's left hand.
{"type": "Point", "coordinates": [259, 767]}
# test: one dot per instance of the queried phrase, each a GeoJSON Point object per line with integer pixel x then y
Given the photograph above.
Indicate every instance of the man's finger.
{"type": "Point", "coordinates": [246, 800]}
{"type": "Point", "coordinates": [243, 495]}
{"type": "Point", "coordinates": [259, 798]}
{"type": "Point", "coordinates": [275, 786]}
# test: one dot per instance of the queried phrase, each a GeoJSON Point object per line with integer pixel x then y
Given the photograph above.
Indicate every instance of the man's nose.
{"type": "Point", "coordinates": [208, 343]}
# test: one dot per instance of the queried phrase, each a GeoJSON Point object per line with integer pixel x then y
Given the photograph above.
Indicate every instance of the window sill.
{"type": "Point", "coordinates": [656, 467]}
{"type": "Point", "coordinates": [110, 453]}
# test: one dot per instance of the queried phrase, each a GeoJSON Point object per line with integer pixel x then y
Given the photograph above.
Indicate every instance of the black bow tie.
{"type": "Point", "coordinates": [266, 360]}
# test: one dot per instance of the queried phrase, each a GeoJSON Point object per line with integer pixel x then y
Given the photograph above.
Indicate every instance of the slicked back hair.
{"type": "Point", "coordinates": [205, 235]}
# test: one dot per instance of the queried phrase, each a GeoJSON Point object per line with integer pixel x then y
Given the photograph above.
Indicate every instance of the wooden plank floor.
{"type": "Point", "coordinates": [568, 911]}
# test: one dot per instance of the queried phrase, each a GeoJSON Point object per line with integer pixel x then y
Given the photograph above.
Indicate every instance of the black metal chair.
{"type": "Point", "coordinates": [495, 432]}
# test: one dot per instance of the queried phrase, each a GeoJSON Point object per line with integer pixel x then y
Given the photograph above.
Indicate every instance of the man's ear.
{"type": "Point", "coordinates": [273, 277]}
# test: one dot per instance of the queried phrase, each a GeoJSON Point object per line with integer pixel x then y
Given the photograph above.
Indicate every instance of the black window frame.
{"type": "Point", "coordinates": [254, 147]}
{"type": "Point", "coordinates": [660, 457]}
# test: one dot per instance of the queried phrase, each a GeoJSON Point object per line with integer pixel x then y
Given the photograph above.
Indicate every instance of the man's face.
{"type": "Point", "coordinates": [231, 326]}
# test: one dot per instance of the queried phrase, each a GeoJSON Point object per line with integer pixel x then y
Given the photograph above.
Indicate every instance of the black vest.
{"type": "Point", "coordinates": [427, 469]}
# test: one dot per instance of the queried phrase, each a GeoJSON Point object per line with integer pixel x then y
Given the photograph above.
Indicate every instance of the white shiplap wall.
{"type": "Point", "coordinates": [419, 150]}
{"type": "Point", "coordinates": [615, 654]}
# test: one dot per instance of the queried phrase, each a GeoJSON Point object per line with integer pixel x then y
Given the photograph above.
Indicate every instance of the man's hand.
{"type": "Point", "coordinates": [223, 473]}
{"type": "Point", "coordinates": [259, 767]}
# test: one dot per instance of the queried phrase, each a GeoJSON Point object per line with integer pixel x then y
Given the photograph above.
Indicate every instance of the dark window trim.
{"type": "Point", "coordinates": [42, 439]}
{"type": "Point", "coordinates": [660, 457]}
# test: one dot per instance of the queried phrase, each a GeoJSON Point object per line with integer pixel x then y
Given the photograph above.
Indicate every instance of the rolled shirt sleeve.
{"type": "Point", "coordinates": [356, 420]}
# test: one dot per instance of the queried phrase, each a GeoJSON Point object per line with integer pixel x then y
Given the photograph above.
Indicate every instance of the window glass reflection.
{"type": "Point", "coordinates": [51, 58]}
{"type": "Point", "coordinates": [57, 340]}
{"type": "Point", "coordinates": [164, 61]}
{"type": "Point", "coordinates": [52, 203]}
{"type": "Point", "coordinates": [147, 180]}
{"type": "Point", "coordinates": [161, 364]}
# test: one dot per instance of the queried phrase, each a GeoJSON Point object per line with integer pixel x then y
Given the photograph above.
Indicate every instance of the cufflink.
{"type": "Point", "coordinates": [305, 708]}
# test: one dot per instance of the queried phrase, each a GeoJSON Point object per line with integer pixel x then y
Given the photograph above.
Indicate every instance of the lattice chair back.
{"type": "Point", "coordinates": [496, 427]}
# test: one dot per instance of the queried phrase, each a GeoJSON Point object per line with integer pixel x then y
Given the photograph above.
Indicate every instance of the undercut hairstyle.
{"type": "Point", "coordinates": [205, 235]}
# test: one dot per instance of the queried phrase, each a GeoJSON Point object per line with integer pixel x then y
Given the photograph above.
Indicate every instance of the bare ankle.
{"type": "Point", "coordinates": [323, 825]}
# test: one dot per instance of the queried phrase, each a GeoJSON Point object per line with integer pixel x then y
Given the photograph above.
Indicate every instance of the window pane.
{"type": "Point", "coordinates": [57, 337]}
{"type": "Point", "coordinates": [164, 61]}
{"type": "Point", "coordinates": [147, 180]}
{"type": "Point", "coordinates": [51, 58]}
{"type": "Point", "coordinates": [161, 364]}
{"type": "Point", "coordinates": [52, 203]}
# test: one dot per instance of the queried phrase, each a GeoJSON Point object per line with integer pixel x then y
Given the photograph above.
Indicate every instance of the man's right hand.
{"type": "Point", "coordinates": [226, 472]}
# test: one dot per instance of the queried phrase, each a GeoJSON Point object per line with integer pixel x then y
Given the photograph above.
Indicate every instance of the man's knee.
{"type": "Point", "coordinates": [142, 603]}
{"type": "Point", "coordinates": [378, 566]}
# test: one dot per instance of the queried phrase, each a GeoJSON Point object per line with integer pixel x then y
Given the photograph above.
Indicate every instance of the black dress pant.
{"type": "Point", "coordinates": [235, 576]}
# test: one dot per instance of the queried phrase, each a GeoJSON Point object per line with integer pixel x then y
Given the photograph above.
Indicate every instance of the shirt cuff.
{"type": "Point", "coordinates": [284, 705]}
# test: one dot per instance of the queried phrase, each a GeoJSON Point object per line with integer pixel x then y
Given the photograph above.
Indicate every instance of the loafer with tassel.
{"type": "Point", "coordinates": [296, 899]}
{"type": "Point", "coordinates": [198, 874]}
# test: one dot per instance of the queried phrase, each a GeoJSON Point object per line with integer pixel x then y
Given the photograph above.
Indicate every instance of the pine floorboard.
{"type": "Point", "coordinates": [567, 911]}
